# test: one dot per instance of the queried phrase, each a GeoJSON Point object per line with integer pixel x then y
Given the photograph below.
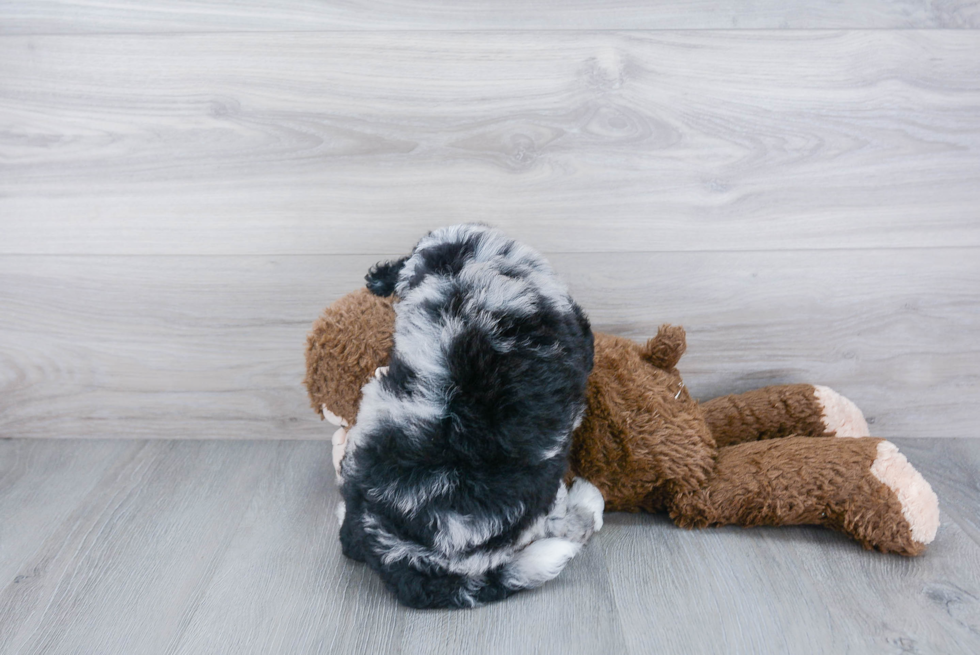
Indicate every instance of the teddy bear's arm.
{"type": "Point", "coordinates": [863, 487]}
{"type": "Point", "coordinates": [782, 411]}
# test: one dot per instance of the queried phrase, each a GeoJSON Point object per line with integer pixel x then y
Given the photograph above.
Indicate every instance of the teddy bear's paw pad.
{"type": "Point", "coordinates": [920, 507]}
{"type": "Point", "coordinates": [840, 415]}
{"type": "Point", "coordinates": [332, 418]}
{"type": "Point", "coordinates": [585, 495]}
{"type": "Point", "coordinates": [339, 440]}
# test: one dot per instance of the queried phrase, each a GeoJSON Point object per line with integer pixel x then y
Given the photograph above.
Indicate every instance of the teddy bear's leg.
{"type": "Point", "coordinates": [782, 411]}
{"type": "Point", "coordinates": [841, 416]}
{"type": "Point", "coordinates": [863, 487]}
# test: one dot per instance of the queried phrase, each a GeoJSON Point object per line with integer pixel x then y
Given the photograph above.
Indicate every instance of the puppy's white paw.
{"type": "Point", "coordinates": [381, 370]}
{"type": "Point", "coordinates": [920, 507]}
{"type": "Point", "coordinates": [584, 494]}
{"type": "Point", "coordinates": [840, 415]}
{"type": "Point", "coordinates": [539, 562]}
{"type": "Point", "coordinates": [341, 511]}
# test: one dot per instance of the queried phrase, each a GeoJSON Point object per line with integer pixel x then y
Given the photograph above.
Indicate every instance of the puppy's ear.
{"type": "Point", "coordinates": [383, 277]}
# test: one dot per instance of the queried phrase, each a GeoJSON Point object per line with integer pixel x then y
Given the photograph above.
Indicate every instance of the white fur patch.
{"type": "Point", "coordinates": [408, 497]}
{"type": "Point", "coordinates": [555, 451]}
{"type": "Point", "coordinates": [840, 415]}
{"type": "Point", "coordinates": [378, 406]}
{"type": "Point", "coordinates": [457, 532]}
{"type": "Point", "coordinates": [494, 292]}
{"type": "Point", "coordinates": [541, 561]}
{"type": "Point", "coordinates": [392, 548]}
{"type": "Point", "coordinates": [479, 563]}
{"type": "Point", "coordinates": [341, 511]}
{"type": "Point", "coordinates": [584, 494]}
{"type": "Point", "coordinates": [920, 507]}
{"type": "Point", "coordinates": [416, 337]}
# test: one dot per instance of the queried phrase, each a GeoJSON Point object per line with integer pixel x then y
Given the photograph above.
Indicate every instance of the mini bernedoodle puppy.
{"type": "Point", "coordinates": [452, 478]}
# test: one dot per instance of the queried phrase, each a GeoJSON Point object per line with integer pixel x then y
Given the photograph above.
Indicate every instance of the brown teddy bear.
{"type": "Point", "coordinates": [773, 456]}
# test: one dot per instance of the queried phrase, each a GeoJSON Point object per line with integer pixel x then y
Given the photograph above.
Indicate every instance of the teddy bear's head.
{"type": "Point", "coordinates": [349, 342]}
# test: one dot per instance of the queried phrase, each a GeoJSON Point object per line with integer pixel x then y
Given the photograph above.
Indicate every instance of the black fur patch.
{"type": "Point", "coordinates": [383, 276]}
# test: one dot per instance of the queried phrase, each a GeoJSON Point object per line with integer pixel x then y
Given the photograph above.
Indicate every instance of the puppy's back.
{"type": "Point", "coordinates": [458, 450]}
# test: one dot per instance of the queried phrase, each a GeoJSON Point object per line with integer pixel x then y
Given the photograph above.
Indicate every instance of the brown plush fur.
{"type": "Point", "coordinates": [767, 413]}
{"type": "Point", "coordinates": [338, 361]}
{"type": "Point", "coordinates": [800, 480]}
{"type": "Point", "coordinates": [639, 437]}
{"type": "Point", "coordinates": [759, 458]}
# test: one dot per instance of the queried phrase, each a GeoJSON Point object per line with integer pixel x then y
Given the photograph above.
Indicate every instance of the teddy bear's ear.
{"type": "Point", "coordinates": [665, 349]}
{"type": "Point", "coordinates": [383, 277]}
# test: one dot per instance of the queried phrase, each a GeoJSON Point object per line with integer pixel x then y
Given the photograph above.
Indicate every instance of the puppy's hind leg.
{"type": "Point", "coordinates": [577, 513]}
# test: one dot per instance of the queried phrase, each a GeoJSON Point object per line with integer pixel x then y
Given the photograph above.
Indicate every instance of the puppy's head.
{"type": "Point", "coordinates": [349, 342]}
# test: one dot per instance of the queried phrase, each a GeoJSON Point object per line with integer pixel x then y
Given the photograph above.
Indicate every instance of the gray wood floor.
{"type": "Point", "coordinates": [184, 184]}
{"type": "Point", "coordinates": [159, 546]}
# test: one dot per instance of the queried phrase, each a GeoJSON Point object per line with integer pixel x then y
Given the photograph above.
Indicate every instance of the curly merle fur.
{"type": "Point", "coordinates": [452, 480]}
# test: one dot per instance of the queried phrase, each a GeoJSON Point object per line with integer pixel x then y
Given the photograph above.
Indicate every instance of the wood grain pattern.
{"type": "Point", "coordinates": [231, 547]}
{"type": "Point", "coordinates": [73, 16]}
{"type": "Point", "coordinates": [333, 143]}
{"type": "Point", "coordinates": [178, 347]}
{"type": "Point", "coordinates": [288, 541]}
{"type": "Point", "coordinates": [117, 575]}
{"type": "Point", "coordinates": [774, 590]}
{"type": "Point", "coordinates": [40, 487]}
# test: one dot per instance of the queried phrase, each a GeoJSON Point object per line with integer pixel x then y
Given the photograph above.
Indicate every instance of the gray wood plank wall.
{"type": "Point", "coordinates": [73, 16]}
{"type": "Point", "coordinates": [183, 185]}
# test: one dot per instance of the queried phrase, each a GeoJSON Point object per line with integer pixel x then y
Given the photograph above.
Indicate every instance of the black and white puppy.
{"type": "Point", "coordinates": [452, 479]}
